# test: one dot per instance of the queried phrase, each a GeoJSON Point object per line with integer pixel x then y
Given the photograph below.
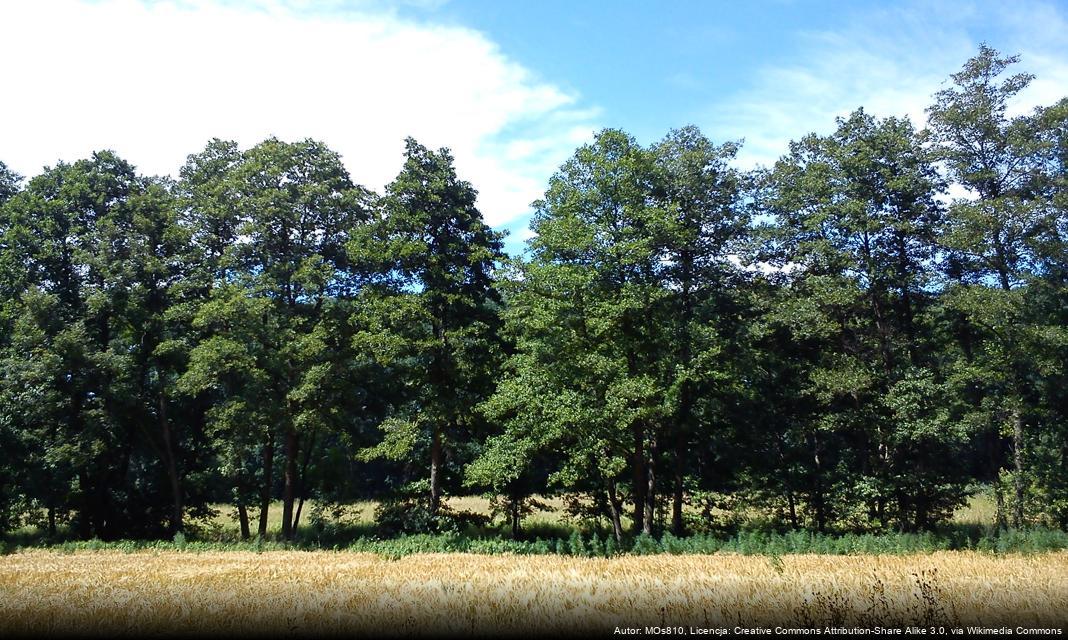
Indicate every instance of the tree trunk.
{"type": "Point", "coordinates": [265, 490]}
{"type": "Point", "coordinates": [1018, 468]}
{"type": "Point", "coordinates": [615, 508]}
{"type": "Point", "coordinates": [290, 482]}
{"type": "Point", "coordinates": [818, 497]}
{"type": "Point", "coordinates": [242, 517]}
{"type": "Point", "coordinates": [650, 491]}
{"type": "Point", "coordinates": [85, 518]}
{"type": "Point", "coordinates": [172, 466]}
{"type": "Point", "coordinates": [1002, 266]}
{"type": "Point", "coordinates": [296, 514]}
{"type": "Point", "coordinates": [513, 506]}
{"type": "Point", "coordinates": [682, 425]}
{"type": "Point", "coordinates": [922, 522]}
{"type": "Point", "coordinates": [1000, 519]}
{"type": "Point", "coordinates": [994, 453]}
{"type": "Point", "coordinates": [113, 521]}
{"type": "Point", "coordinates": [788, 491]}
{"type": "Point", "coordinates": [303, 479]}
{"type": "Point", "coordinates": [821, 516]}
{"type": "Point", "coordinates": [440, 379]}
{"type": "Point", "coordinates": [640, 480]}
{"type": "Point", "coordinates": [904, 276]}
{"type": "Point", "coordinates": [902, 512]}
{"type": "Point", "coordinates": [677, 525]}
{"type": "Point", "coordinates": [435, 471]}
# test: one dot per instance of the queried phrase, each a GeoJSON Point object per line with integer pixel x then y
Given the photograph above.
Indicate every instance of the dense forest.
{"type": "Point", "coordinates": [854, 339]}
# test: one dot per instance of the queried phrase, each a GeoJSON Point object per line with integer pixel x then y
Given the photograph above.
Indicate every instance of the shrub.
{"type": "Point", "coordinates": [596, 547]}
{"type": "Point", "coordinates": [645, 545]}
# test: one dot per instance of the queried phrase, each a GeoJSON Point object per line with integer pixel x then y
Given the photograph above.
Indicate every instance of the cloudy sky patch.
{"type": "Point", "coordinates": [511, 87]}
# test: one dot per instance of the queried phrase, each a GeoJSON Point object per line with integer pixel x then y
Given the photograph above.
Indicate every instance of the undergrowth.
{"type": "Point", "coordinates": [595, 544]}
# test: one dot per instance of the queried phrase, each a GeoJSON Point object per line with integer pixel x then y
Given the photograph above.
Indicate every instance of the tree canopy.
{"type": "Point", "coordinates": [855, 338]}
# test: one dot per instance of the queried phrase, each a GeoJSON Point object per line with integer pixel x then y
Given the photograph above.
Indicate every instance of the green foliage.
{"type": "Point", "coordinates": [596, 548]}
{"type": "Point", "coordinates": [610, 548]}
{"type": "Point", "coordinates": [9, 183]}
{"type": "Point", "coordinates": [645, 545]}
{"type": "Point", "coordinates": [576, 546]}
{"type": "Point", "coordinates": [433, 316]}
{"type": "Point", "coordinates": [412, 515]}
{"type": "Point", "coordinates": [825, 355]}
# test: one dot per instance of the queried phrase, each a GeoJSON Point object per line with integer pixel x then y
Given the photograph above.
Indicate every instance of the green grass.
{"type": "Point", "coordinates": [980, 510]}
{"type": "Point", "coordinates": [595, 544]}
{"type": "Point", "coordinates": [362, 512]}
{"type": "Point", "coordinates": [223, 525]}
{"type": "Point", "coordinates": [352, 528]}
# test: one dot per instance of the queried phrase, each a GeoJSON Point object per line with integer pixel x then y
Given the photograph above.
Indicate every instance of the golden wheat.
{"type": "Point", "coordinates": [45, 593]}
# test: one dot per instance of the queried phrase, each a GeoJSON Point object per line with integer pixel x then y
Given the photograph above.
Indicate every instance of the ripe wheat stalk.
{"type": "Point", "coordinates": [44, 593]}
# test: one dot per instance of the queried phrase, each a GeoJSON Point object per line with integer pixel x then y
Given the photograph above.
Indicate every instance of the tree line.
{"type": "Point", "coordinates": [854, 338]}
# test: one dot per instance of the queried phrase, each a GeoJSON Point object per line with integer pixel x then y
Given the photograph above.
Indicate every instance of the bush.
{"type": "Point", "coordinates": [671, 544]}
{"type": "Point", "coordinates": [541, 547]}
{"type": "Point", "coordinates": [644, 545]}
{"type": "Point", "coordinates": [411, 513]}
{"type": "Point", "coordinates": [596, 548]}
{"type": "Point", "coordinates": [576, 546]}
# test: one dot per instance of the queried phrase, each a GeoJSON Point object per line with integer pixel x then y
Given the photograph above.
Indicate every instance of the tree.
{"type": "Point", "coordinates": [991, 239]}
{"type": "Point", "coordinates": [857, 216]}
{"type": "Point", "coordinates": [99, 245]}
{"type": "Point", "coordinates": [437, 258]}
{"type": "Point", "coordinates": [9, 183]}
{"type": "Point", "coordinates": [701, 197]}
{"type": "Point", "coordinates": [12, 271]}
{"type": "Point", "coordinates": [1048, 298]}
{"type": "Point", "coordinates": [584, 380]}
{"type": "Point", "coordinates": [274, 224]}
{"type": "Point", "coordinates": [207, 211]}
{"type": "Point", "coordinates": [153, 270]}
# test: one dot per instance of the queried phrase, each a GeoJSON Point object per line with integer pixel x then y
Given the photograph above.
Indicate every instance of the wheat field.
{"type": "Point", "coordinates": [48, 593]}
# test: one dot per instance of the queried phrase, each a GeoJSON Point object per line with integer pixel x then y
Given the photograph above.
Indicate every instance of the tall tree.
{"type": "Point", "coordinates": [274, 224]}
{"type": "Point", "coordinates": [12, 270]}
{"type": "Point", "coordinates": [583, 311]}
{"type": "Point", "coordinates": [437, 258]}
{"type": "Point", "coordinates": [9, 183]}
{"type": "Point", "coordinates": [1049, 297]}
{"type": "Point", "coordinates": [700, 196]}
{"type": "Point", "coordinates": [207, 210]}
{"type": "Point", "coordinates": [857, 220]}
{"type": "Point", "coordinates": [153, 271]}
{"type": "Point", "coordinates": [990, 236]}
{"type": "Point", "coordinates": [99, 245]}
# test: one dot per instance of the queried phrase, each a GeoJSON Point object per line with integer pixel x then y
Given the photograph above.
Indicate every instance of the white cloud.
{"type": "Point", "coordinates": [526, 234]}
{"type": "Point", "coordinates": [890, 62]}
{"type": "Point", "coordinates": [155, 81]}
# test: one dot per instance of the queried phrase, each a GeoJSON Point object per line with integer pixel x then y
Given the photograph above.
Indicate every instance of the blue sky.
{"type": "Point", "coordinates": [512, 87]}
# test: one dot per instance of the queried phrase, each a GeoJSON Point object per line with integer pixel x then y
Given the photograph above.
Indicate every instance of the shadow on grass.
{"type": "Point", "coordinates": [564, 539]}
